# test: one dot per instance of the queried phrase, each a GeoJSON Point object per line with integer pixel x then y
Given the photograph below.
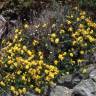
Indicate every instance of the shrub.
{"type": "Point", "coordinates": [23, 67]}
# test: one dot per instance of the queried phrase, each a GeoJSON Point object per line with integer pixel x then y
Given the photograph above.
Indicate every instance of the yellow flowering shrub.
{"type": "Point", "coordinates": [73, 41]}
{"type": "Point", "coordinates": [23, 68]}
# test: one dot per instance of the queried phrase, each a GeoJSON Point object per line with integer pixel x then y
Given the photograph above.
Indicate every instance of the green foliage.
{"type": "Point", "coordinates": [91, 3]}
{"type": "Point", "coordinates": [23, 3]}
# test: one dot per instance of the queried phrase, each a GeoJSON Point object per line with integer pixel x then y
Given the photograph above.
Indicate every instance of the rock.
{"type": "Point", "coordinates": [65, 81]}
{"type": "Point", "coordinates": [60, 91]}
{"type": "Point", "coordinates": [30, 94]}
{"type": "Point", "coordinates": [1, 5]}
{"type": "Point", "coordinates": [70, 80]}
{"type": "Point", "coordinates": [2, 26]}
{"type": "Point", "coordinates": [85, 88]}
{"type": "Point", "coordinates": [90, 68]}
{"type": "Point", "coordinates": [92, 75]}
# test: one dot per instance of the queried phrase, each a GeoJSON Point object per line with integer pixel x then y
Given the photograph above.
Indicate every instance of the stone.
{"type": "Point", "coordinates": [85, 88]}
{"type": "Point", "coordinates": [30, 94]}
{"type": "Point", "coordinates": [70, 80]}
{"type": "Point", "coordinates": [76, 78]}
{"type": "Point", "coordinates": [90, 68]}
{"type": "Point", "coordinates": [92, 75]}
{"type": "Point", "coordinates": [60, 91]}
{"type": "Point", "coordinates": [2, 26]}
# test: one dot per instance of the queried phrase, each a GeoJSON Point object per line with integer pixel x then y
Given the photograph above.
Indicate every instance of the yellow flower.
{"type": "Point", "coordinates": [23, 78]}
{"type": "Point", "coordinates": [81, 52]}
{"type": "Point", "coordinates": [31, 86]}
{"type": "Point", "coordinates": [53, 25]}
{"type": "Point", "coordinates": [17, 30]}
{"type": "Point", "coordinates": [61, 57]}
{"type": "Point", "coordinates": [47, 78]}
{"type": "Point", "coordinates": [65, 53]}
{"type": "Point", "coordinates": [22, 51]}
{"type": "Point", "coordinates": [82, 17]}
{"type": "Point", "coordinates": [44, 25]}
{"type": "Point", "coordinates": [81, 26]}
{"type": "Point", "coordinates": [57, 40]}
{"type": "Point", "coordinates": [62, 31]}
{"type": "Point", "coordinates": [68, 22]}
{"type": "Point", "coordinates": [91, 32]}
{"type": "Point", "coordinates": [51, 75]}
{"type": "Point", "coordinates": [35, 42]}
{"type": "Point", "coordinates": [19, 72]}
{"type": "Point", "coordinates": [55, 62]}
{"type": "Point", "coordinates": [75, 8]}
{"type": "Point", "coordinates": [40, 62]}
{"type": "Point", "coordinates": [72, 16]}
{"type": "Point", "coordinates": [15, 64]}
{"type": "Point", "coordinates": [91, 39]}
{"type": "Point", "coordinates": [82, 13]}
{"type": "Point", "coordinates": [84, 70]}
{"type": "Point", "coordinates": [67, 73]}
{"type": "Point", "coordinates": [41, 57]}
{"type": "Point", "coordinates": [9, 57]}
{"type": "Point", "coordinates": [70, 29]}
{"type": "Point", "coordinates": [27, 66]}
{"type": "Point", "coordinates": [12, 88]}
{"type": "Point", "coordinates": [72, 61]}
{"type": "Point", "coordinates": [16, 36]}
{"type": "Point", "coordinates": [78, 19]}
{"type": "Point", "coordinates": [71, 55]}
{"type": "Point", "coordinates": [46, 71]}
{"type": "Point", "coordinates": [30, 58]}
{"type": "Point", "coordinates": [26, 26]}
{"type": "Point", "coordinates": [10, 62]}
{"type": "Point", "coordinates": [52, 40]}
{"type": "Point", "coordinates": [20, 91]}
{"type": "Point", "coordinates": [37, 26]}
{"type": "Point", "coordinates": [40, 53]}
{"type": "Point", "coordinates": [37, 90]}
{"type": "Point", "coordinates": [80, 61]}
{"type": "Point", "coordinates": [2, 83]}
{"type": "Point", "coordinates": [20, 32]}
{"type": "Point", "coordinates": [74, 42]}
{"type": "Point", "coordinates": [53, 35]}
{"type": "Point", "coordinates": [24, 90]}
{"type": "Point", "coordinates": [24, 48]}
{"type": "Point", "coordinates": [16, 92]}
{"type": "Point", "coordinates": [29, 52]}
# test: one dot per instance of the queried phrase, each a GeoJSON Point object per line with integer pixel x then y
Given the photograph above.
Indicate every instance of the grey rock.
{"type": "Point", "coordinates": [92, 75]}
{"type": "Point", "coordinates": [2, 25]}
{"type": "Point", "coordinates": [70, 80]}
{"type": "Point", "coordinates": [65, 81]}
{"type": "Point", "coordinates": [85, 88]}
{"type": "Point", "coordinates": [30, 94]}
{"type": "Point", "coordinates": [90, 68]}
{"type": "Point", "coordinates": [60, 91]}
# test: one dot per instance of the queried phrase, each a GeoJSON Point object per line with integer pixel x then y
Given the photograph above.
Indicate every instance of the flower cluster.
{"type": "Point", "coordinates": [24, 68]}
{"type": "Point", "coordinates": [73, 41]}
